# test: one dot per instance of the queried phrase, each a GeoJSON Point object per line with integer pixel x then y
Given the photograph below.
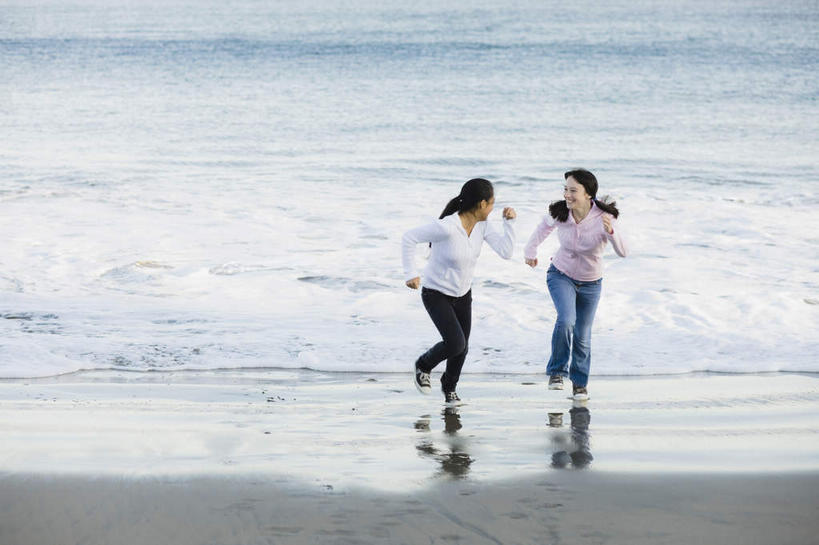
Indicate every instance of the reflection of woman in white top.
{"type": "Point", "coordinates": [456, 242]}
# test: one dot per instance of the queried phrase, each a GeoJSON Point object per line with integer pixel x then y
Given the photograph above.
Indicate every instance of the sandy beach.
{"type": "Point", "coordinates": [559, 507]}
{"type": "Point", "coordinates": [284, 456]}
{"type": "Point", "coordinates": [205, 333]}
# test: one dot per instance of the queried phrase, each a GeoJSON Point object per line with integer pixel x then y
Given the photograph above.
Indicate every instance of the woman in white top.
{"type": "Point", "coordinates": [456, 241]}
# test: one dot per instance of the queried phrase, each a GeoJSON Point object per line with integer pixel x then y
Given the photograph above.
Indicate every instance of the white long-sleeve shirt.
{"type": "Point", "coordinates": [451, 264]}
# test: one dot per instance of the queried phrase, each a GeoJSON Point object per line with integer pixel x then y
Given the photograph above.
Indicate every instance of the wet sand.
{"type": "Point", "coordinates": [274, 456]}
{"type": "Point", "coordinates": [558, 507]}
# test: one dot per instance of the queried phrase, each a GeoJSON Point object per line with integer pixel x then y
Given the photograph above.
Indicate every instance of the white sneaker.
{"type": "Point", "coordinates": [422, 382]}
{"type": "Point", "coordinates": [580, 393]}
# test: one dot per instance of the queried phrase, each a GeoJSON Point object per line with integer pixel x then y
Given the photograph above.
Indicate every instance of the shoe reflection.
{"type": "Point", "coordinates": [453, 459]}
{"type": "Point", "coordinates": [452, 420]}
{"type": "Point", "coordinates": [571, 448]}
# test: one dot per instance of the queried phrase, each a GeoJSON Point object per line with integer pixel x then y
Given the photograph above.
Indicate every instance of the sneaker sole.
{"type": "Point", "coordinates": [555, 386]}
{"type": "Point", "coordinates": [580, 397]}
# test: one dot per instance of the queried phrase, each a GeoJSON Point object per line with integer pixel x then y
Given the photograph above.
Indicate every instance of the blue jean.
{"type": "Point", "coordinates": [576, 303]}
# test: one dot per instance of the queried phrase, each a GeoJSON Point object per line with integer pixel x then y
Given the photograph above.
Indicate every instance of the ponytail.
{"type": "Point", "coordinates": [560, 211]}
{"type": "Point", "coordinates": [606, 206]}
{"type": "Point", "coordinates": [451, 207]}
{"type": "Point", "coordinates": [472, 193]}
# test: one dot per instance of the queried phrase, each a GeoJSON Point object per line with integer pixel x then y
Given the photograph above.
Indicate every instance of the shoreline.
{"type": "Point", "coordinates": [359, 423]}
{"type": "Point", "coordinates": [87, 374]}
{"type": "Point", "coordinates": [298, 457]}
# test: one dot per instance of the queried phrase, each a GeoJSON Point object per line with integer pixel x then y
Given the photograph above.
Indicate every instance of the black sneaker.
{"type": "Point", "coordinates": [555, 382]}
{"type": "Point", "coordinates": [580, 393]}
{"type": "Point", "coordinates": [422, 381]}
{"type": "Point", "coordinates": [452, 399]}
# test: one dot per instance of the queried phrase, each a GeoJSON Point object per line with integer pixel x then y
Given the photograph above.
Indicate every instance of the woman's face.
{"type": "Point", "coordinates": [575, 195]}
{"type": "Point", "coordinates": [485, 208]}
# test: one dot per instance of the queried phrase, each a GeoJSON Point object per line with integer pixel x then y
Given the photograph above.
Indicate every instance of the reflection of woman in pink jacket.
{"type": "Point", "coordinates": [584, 226]}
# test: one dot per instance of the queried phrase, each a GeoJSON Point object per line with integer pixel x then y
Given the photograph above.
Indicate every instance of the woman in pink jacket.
{"type": "Point", "coordinates": [584, 226]}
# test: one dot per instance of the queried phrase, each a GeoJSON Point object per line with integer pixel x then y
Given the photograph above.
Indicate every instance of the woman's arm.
{"type": "Point", "coordinates": [540, 233]}
{"type": "Point", "coordinates": [504, 245]}
{"type": "Point", "coordinates": [431, 232]}
{"type": "Point", "coordinates": [613, 236]}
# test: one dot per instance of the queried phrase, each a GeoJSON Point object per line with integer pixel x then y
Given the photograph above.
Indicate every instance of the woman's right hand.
{"type": "Point", "coordinates": [414, 283]}
{"type": "Point", "coordinates": [531, 262]}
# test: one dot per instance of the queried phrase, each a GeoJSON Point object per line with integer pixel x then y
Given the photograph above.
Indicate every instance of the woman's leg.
{"type": "Point", "coordinates": [562, 291]}
{"type": "Point", "coordinates": [442, 312]}
{"type": "Point", "coordinates": [588, 295]}
{"type": "Point", "coordinates": [463, 312]}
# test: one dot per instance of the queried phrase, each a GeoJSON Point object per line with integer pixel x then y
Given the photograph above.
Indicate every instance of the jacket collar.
{"type": "Point", "coordinates": [593, 213]}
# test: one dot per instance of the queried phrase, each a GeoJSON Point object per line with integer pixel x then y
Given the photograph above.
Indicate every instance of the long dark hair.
{"type": "Point", "coordinates": [560, 211]}
{"type": "Point", "coordinates": [472, 193]}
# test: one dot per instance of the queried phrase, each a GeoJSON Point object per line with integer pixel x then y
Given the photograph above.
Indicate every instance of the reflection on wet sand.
{"type": "Point", "coordinates": [571, 447]}
{"type": "Point", "coordinates": [453, 459]}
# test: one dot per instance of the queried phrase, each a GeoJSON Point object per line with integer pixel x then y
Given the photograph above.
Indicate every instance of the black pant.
{"type": "Point", "coordinates": [453, 318]}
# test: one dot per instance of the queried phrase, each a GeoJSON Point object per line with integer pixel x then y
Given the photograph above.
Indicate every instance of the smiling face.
{"type": "Point", "coordinates": [575, 195]}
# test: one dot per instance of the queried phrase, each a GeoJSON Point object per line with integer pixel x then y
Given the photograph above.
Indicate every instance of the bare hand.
{"type": "Point", "coordinates": [607, 224]}
{"type": "Point", "coordinates": [509, 213]}
{"type": "Point", "coordinates": [531, 262]}
{"type": "Point", "coordinates": [414, 283]}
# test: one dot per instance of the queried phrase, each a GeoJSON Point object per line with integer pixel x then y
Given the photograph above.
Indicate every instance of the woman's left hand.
{"type": "Point", "coordinates": [509, 213]}
{"type": "Point", "coordinates": [607, 224]}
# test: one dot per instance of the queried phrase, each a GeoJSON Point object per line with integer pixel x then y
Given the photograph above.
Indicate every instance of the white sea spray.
{"type": "Point", "coordinates": [230, 190]}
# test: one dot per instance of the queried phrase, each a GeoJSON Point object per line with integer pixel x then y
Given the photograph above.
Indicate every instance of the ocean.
{"type": "Point", "coordinates": [209, 185]}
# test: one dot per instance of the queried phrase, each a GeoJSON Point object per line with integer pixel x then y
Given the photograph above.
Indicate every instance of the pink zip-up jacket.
{"type": "Point", "coordinates": [580, 256]}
